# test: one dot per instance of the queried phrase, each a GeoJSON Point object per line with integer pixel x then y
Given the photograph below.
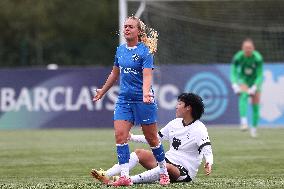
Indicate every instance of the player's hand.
{"type": "Point", "coordinates": [207, 168]}
{"type": "Point", "coordinates": [148, 98]}
{"type": "Point", "coordinates": [98, 95]}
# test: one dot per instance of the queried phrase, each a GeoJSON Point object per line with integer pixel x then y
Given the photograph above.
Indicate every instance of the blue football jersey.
{"type": "Point", "coordinates": [131, 62]}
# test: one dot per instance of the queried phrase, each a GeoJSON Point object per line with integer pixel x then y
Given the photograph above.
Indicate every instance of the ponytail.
{"type": "Point", "coordinates": [148, 36]}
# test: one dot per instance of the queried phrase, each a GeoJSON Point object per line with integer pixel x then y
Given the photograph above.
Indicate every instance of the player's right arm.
{"type": "Point", "coordinates": [112, 78]}
{"type": "Point", "coordinates": [163, 134]}
{"type": "Point", "coordinates": [234, 73]}
{"type": "Point", "coordinates": [140, 138]}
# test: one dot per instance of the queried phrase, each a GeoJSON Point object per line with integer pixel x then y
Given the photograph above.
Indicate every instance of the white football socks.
{"type": "Point", "coordinates": [124, 169]}
{"type": "Point", "coordinates": [244, 121]}
{"type": "Point", "coordinates": [163, 167]}
{"type": "Point", "coordinates": [151, 175]}
{"type": "Point", "coordinates": [116, 169]}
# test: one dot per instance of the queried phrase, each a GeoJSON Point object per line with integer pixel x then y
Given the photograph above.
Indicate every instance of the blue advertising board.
{"type": "Point", "coordinates": [40, 98]}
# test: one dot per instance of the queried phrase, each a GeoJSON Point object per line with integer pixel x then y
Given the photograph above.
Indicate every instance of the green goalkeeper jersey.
{"type": "Point", "coordinates": [247, 70]}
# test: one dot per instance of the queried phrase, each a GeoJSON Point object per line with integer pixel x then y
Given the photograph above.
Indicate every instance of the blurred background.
{"type": "Point", "coordinates": [84, 33]}
{"type": "Point", "coordinates": [53, 54]}
{"type": "Point", "coordinates": [37, 33]}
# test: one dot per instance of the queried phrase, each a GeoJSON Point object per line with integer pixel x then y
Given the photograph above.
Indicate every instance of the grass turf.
{"type": "Point", "coordinates": [64, 158]}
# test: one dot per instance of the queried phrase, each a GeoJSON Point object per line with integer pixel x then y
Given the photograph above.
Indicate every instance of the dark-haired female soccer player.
{"type": "Point", "coordinates": [189, 143]}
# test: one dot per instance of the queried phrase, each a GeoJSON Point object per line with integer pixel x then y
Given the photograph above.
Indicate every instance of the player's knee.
{"type": "Point", "coordinates": [152, 139]}
{"type": "Point", "coordinates": [139, 153]}
{"type": "Point", "coordinates": [120, 137]}
{"type": "Point", "coordinates": [169, 167]}
{"type": "Point", "coordinates": [173, 171]}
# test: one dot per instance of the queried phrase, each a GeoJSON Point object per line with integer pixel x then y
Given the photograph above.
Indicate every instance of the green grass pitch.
{"type": "Point", "coordinates": [64, 158]}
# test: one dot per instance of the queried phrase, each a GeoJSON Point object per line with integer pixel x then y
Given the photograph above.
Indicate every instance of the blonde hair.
{"type": "Point", "coordinates": [249, 40]}
{"type": "Point", "coordinates": [148, 36]}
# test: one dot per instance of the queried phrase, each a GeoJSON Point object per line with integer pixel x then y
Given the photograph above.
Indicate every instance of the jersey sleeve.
{"type": "Point", "coordinates": [234, 69]}
{"type": "Point", "coordinates": [207, 154]}
{"type": "Point", "coordinates": [202, 139]}
{"type": "Point", "coordinates": [148, 59]}
{"type": "Point", "coordinates": [259, 71]}
{"type": "Point", "coordinates": [138, 138]}
{"type": "Point", "coordinates": [164, 132]}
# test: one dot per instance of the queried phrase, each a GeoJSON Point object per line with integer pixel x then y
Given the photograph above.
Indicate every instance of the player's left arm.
{"type": "Point", "coordinates": [259, 72]}
{"type": "Point", "coordinates": [147, 66]}
{"type": "Point", "coordinates": [259, 75]}
{"type": "Point", "coordinates": [208, 156]}
{"type": "Point", "coordinates": [147, 80]}
{"type": "Point", "coordinates": [205, 150]}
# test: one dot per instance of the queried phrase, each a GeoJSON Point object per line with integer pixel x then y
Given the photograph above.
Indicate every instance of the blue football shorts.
{"type": "Point", "coordinates": [138, 113]}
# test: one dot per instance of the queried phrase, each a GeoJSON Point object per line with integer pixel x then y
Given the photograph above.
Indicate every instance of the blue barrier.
{"type": "Point", "coordinates": [40, 98]}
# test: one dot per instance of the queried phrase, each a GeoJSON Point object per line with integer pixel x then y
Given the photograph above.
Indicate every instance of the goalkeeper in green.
{"type": "Point", "coordinates": [246, 78]}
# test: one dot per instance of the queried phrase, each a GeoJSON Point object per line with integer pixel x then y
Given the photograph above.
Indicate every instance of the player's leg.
{"type": "Point", "coordinates": [243, 105]}
{"type": "Point", "coordinates": [255, 112]}
{"type": "Point", "coordinates": [122, 128]}
{"type": "Point", "coordinates": [150, 132]}
{"type": "Point", "coordinates": [146, 158]}
{"type": "Point", "coordinates": [153, 174]}
{"type": "Point", "coordinates": [173, 171]}
{"type": "Point", "coordinates": [146, 115]}
{"type": "Point", "coordinates": [115, 169]}
{"type": "Point", "coordinates": [123, 121]}
{"type": "Point", "coordinates": [148, 176]}
{"type": "Point", "coordinates": [256, 107]}
{"type": "Point", "coordinates": [177, 173]}
{"type": "Point", "coordinates": [148, 161]}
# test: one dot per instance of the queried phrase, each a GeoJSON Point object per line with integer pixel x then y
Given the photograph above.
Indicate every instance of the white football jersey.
{"type": "Point", "coordinates": [186, 143]}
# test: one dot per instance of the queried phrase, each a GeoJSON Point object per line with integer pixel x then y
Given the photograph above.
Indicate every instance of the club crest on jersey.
{"type": "Point", "coordinates": [176, 143]}
{"type": "Point", "coordinates": [135, 57]}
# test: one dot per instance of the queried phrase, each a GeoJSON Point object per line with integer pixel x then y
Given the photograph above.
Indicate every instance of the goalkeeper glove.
{"type": "Point", "coordinates": [252, 90]}
{"type": "Point", "coordinates": [236, 88]}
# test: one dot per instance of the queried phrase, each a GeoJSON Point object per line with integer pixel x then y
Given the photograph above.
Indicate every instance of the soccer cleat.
{"type": "Point", "coordinates": [122, 181]}
{"type": "Point", "coordinates": [164, 179]}
{"type": "Point", "coordinates": [253, 133]}
{"type": "Point", "coordinates": [100, 175]}
{"type": "Point", "coordinates": [244, 127]}
{"type": "Point", "coordinates": [114, 178]}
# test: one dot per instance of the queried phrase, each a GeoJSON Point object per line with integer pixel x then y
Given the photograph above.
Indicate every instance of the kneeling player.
{"type": "Point", "coordinates": [189, 143]}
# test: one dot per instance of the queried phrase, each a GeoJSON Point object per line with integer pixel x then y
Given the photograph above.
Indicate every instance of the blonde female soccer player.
{"type": "Point", "coordinates": [134, 66]}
